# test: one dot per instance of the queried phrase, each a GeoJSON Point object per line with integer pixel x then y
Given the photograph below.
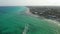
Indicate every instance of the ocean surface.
{"type": "Point", "coordinates": [14, 20]}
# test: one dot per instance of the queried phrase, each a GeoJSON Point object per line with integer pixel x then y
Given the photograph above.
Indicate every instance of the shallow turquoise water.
{"type": "Point", "coordinates": [13, 20]}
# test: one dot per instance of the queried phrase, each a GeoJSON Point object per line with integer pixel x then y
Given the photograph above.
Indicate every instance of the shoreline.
{"type": "Point", "coordinates": [49, 20]}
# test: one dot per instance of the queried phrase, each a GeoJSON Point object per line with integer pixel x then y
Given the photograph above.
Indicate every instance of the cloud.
{"type": "Point", "coordinates": [28, 2]}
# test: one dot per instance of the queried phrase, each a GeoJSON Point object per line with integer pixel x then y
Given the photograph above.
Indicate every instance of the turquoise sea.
{"type": "Point", "coordinates": [14, 20]}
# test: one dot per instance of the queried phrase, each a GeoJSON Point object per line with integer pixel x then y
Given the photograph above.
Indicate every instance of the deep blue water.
{"type": "Point", "coordinates": [5, 9]}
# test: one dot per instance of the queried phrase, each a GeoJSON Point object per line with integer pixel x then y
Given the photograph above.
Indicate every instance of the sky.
{"type": "Point", "coordinates": [29, 2]}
